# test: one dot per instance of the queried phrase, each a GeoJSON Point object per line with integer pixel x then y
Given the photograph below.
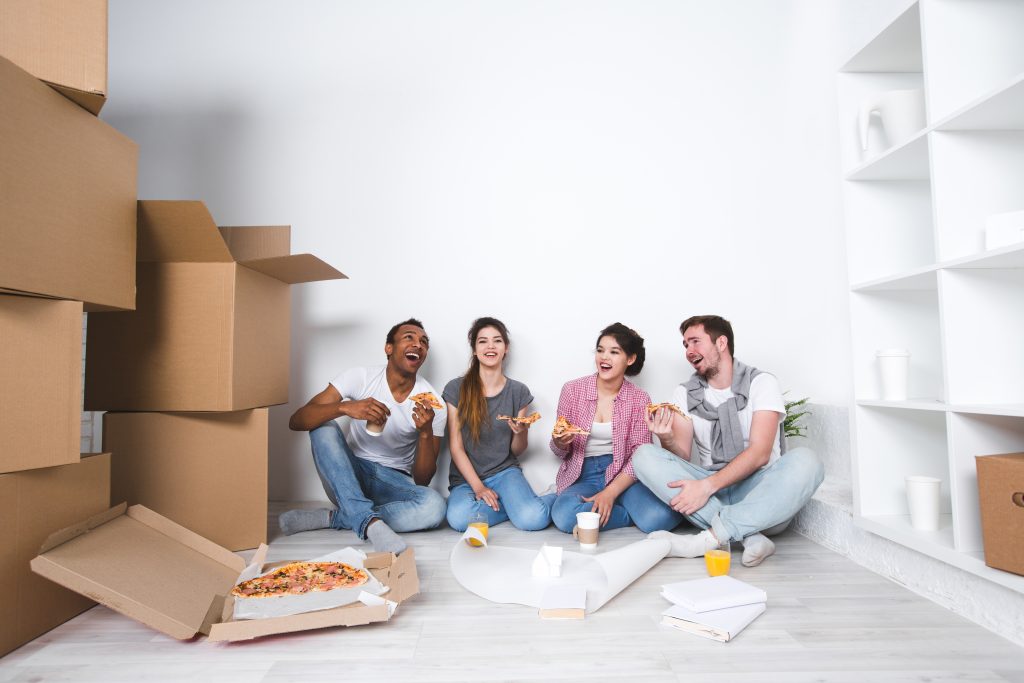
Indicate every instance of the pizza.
{"type": "Point", "coordinates": [563, 427]}
{"type": "Point", "coordinates": [427, 399]}
{"type": "Point", "coordinates": [652, 408]}
{"type": "Point", "coordinates": [299, 578]}
{"type": "Point", "coordinates": [528, 420]}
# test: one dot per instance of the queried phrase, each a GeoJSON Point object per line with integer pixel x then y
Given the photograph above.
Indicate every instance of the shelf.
{"type": "Point", "coordinates": [1002, 409]}
{"type": "Point", "coordinates": [923, 278]}
{"type": "Point", "coordinates": [1001, 109]}
{"type": "Point", "coordinates": [897, 48]}
{"type": "Point", "coordinates": [908, 161]}
{"type": "Point", "coordinates": [937, 544]}
{"type": "Point", "coordinates": [910, 404]}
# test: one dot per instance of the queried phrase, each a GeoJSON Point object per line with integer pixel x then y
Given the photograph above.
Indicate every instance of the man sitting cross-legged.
{"type": "Point", "coordinates": [377, 478]}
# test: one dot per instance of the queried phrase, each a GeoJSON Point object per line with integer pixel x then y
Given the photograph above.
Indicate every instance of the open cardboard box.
{"type": "Point", "coordinates": [146, 567]}
{"type": "Point", "coordinates": [212, 322]}
{"type": "Point", "coordinates": [61, 43]}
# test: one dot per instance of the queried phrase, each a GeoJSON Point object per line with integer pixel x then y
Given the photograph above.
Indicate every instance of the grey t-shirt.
{"type": "Point", "coordinates": [493, 452]}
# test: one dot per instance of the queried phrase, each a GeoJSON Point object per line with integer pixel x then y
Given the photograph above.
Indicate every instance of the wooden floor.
{"type": "Point", "coordinates": [827, 620]}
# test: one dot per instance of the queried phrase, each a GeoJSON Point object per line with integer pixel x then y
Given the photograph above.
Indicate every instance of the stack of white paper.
{"type": "Point", "coordinates": [718, 607]}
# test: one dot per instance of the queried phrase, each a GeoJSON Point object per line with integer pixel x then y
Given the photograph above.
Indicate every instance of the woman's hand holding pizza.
{"type": "Point", "coordinates": [563, 441]}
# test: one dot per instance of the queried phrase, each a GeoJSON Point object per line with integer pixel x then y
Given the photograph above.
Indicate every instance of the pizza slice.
{"type": "Point", "coordinates": [652, 408]}
{"type": "Point", "coordinates": [299, 578]}
{"type": "Point", "coordinates": [528, 420]}
{"type": "Point", "coordinates": [563, 427]}
{"type": "Point", "coordinates": [428, 400]}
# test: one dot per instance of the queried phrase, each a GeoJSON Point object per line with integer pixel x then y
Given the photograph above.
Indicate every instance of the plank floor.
{"type": "Point", "coordinates": [828, 619]}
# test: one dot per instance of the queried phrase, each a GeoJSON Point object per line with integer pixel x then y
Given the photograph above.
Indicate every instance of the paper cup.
{"type": "Point", "coordinates": [587, 529]}
{"type": "Point", "coordinates": [923, 500]}
{"type": "Point", "coordinates": [892, 368]}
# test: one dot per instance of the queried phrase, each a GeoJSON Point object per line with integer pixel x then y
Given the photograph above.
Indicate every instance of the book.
{"type": "Point", "coordinates": [563, 602]}
{"type": "Point", "coordinates": [714, 592]}
{"type": "Point", "coordinates": [721, 624]}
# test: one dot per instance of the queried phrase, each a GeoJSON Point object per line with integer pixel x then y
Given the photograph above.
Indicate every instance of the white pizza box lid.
{"type": "Point", "coordinates": [145, 566]}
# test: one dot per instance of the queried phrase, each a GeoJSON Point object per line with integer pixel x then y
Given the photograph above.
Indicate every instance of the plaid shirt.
{"type": "Point", "coordinates": [578, 404]}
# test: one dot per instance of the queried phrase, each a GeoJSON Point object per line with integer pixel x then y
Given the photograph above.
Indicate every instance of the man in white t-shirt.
{"type": "Point", "coordinates": [724, 466]}
{"type": "Point", "coordinates": [378, 478]}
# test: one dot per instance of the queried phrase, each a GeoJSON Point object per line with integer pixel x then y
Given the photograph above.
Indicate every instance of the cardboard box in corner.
{"type": "Point", "coordinates": [1001, 497]}
{"type": "Point", "coordinates": [211, 327]}
{"type": "Point", "coordinates": [146, 567]}
{"type": "Point", "coordinates": [33, 505]}
{"type": "Point", "coordinates": [205, 471]}
{"type": "Point", "coordinates": [61, 42]}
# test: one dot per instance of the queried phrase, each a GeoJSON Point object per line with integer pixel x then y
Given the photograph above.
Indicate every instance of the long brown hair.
{"type": "Point", "coordinates": [472, 402]}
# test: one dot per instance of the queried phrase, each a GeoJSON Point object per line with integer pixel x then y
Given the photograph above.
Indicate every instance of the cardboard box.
{"type": "Point", "coordinates": [33, 505]}
{"type": "Point", "coordinates": [62, 42]}
{"type": "Point", "coordinates": [1001, 497]}
{"type": "Point", "coordinates": [211, 330]}
{"type": "Point", "coordinates": [146, 567]}
{"type": "Point", "coordinates": [205, 471]}
{"type": "Point", "coordinates": [40, 382]}
{"type": "Point", "coordinates": [67, 210]}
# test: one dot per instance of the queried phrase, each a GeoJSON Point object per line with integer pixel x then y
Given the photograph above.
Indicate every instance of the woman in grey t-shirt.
{"type": "Point", "coordinates": [485, 475]}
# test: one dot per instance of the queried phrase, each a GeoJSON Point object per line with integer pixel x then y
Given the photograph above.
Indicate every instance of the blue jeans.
{"type": "Point", "coordinates": [516, 502]}
{"type": "Point", "coordinates": [767, 498]}
{"type": "Point", "coordinates": [363, 491]}
{"type": "Point", "coordinates": [636, 505]}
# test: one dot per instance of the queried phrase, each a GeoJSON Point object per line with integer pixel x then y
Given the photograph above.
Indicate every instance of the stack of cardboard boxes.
{"type": "Point", "coordinates": [191, 323]}
{"type": "Point", "coordinates": [188, 374]}
{"type": "Point", "coordinates": [67, 241]}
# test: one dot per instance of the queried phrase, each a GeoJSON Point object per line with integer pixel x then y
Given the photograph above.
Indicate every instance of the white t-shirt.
{"type": "Point", "coordinates": [765, 394]}
{"type": "Point", "coordinates": [395, 447]}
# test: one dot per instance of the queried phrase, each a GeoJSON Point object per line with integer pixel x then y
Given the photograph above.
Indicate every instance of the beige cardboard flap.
{"type": "Point", "coordinates": [251, 243]}
{"type": "Point", "coordinates": [145, 567]}
{"type": "Point", "coordinates": [296, 269]}
{"type": "Point", "coordinates": [64, 535]}
{"type": "Point", "coordinates": [179, 231]}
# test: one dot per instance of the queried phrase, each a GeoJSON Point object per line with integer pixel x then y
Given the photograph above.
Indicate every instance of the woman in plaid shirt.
{"type": "Point", "coordinates": [596, 472]}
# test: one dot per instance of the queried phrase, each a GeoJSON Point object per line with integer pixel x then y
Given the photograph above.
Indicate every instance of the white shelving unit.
{"type": "Point", "coordinates": [920, 276]}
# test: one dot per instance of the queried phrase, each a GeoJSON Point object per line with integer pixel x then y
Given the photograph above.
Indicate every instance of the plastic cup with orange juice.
{"type": "Point", "coordinates": [478, 521]}
{"type": "Point", "coordinates": [718, 559]}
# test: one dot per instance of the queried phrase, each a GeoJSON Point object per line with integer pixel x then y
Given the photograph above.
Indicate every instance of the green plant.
{"type": "Point", "coordinates": [795, 411]}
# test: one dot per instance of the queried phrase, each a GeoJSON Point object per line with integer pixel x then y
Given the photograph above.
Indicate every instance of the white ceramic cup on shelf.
{"type": "Point", "coordinates": [893, 366]}
{"type": "Point", "coordinates": [923, 500]}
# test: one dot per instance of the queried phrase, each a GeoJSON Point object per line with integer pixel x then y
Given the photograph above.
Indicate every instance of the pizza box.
{"type": "Point", "coordinates": [146, 567]}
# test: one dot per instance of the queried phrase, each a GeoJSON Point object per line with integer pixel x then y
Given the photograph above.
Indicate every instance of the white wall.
{"type": "Point", "coordinates": [560, 165]}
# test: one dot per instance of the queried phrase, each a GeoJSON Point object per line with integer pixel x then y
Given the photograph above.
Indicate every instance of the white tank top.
{"type": "Point", "coordinates": [600, 440]}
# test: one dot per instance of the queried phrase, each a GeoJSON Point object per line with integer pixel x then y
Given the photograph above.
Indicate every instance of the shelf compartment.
{"type": "Point", "coordinates": [907, 161]}
{"type": "Point", "coordinates": [983, 328]}
{"type": "Point", "coordinates": [1001, 109]}
{"type": "Point", "coordinates": [889, 228]}
{"type": "Point", "coordinates": [976, 174]}
{"type": "Point", "coordinates": [972, 435]}
{"type": "Point", "coordinates": [897, 319]}
{"type": "Point", "coordinates": [971, 47]}
{"type": "Point", "coordinates": [897, 47]}
{"type": "Point", "coordinates": [895, 444]}
{"type": "Point", "coordinates": [939, 545]}
{"type": "Point", "coordinates": [881, 159]}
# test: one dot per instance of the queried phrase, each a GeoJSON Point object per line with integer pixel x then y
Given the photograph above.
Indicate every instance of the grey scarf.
{"type": "Point", "coordinates": [726, 432]}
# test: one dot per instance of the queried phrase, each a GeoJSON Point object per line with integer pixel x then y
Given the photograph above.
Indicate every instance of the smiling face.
{"type": "Point", "coordinates": [490, 347]}
{"type": "Point", "coordinates": [408, 350]}
{"type": "Point", "coordinates": [610, 359]}
{"type": "Point", "coordinates": [703, 354]}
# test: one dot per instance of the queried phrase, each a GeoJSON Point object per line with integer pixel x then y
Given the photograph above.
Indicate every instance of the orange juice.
{"type": "Point", "coordinates": [717, 562]}
{"type": "Point", "coordinates": [482, 528]}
